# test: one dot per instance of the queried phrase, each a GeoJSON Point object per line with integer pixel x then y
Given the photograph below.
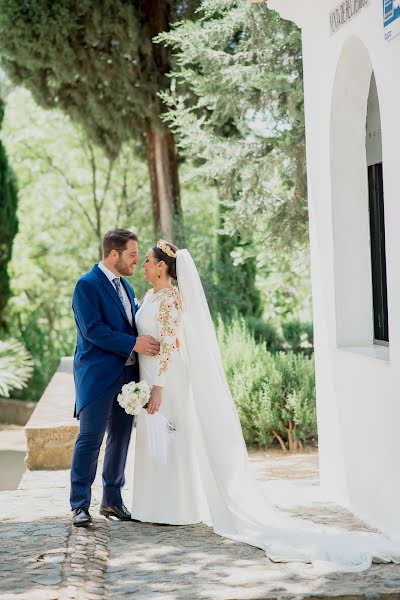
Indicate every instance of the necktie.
{"type": "Point", "coordinates": [117, 283]}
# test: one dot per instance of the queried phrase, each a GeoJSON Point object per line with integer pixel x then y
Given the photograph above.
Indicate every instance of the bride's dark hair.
{"type": "Point", "coordinates": [170, 261]}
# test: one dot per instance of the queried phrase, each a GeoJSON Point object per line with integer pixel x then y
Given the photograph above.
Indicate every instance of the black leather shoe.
{"type": "Point", "coordinates": [119, 512]}
{"type": "Point", "coordinates": [81, 517]}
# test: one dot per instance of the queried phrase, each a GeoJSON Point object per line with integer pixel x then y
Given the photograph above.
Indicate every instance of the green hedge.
{"type": "Point", "coordinates": [290, 335]}
{"type": "Point", "coordinates": [274, 392]}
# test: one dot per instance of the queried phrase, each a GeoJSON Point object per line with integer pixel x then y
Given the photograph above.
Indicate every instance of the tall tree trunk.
{"type": "Point", "coordinates": [161, 148]}
{"type": "Point", "coordinates": [164, 180]}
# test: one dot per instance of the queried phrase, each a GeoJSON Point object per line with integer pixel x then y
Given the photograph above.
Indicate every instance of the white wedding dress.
{"type": "Point", "coordinates": [167, 486]}
{"type": "Point", "coordinates": [200, 471]}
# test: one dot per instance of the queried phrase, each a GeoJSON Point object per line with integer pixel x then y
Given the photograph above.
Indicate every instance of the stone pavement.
{"type": "Point", "coordinates": [12, 454]}
{"type": "Point", "coordinates": [43, 557]}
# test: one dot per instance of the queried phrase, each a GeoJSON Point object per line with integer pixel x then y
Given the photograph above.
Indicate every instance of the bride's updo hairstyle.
{"type": "Point", "coordinates": [167, 252]}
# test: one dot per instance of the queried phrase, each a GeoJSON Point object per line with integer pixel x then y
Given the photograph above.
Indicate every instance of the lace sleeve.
{"type": "Point", "coordinates": [169, 316]}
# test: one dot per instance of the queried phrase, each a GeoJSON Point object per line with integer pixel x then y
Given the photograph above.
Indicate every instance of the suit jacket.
{"type": "Point", "coordinates": [105, 338]}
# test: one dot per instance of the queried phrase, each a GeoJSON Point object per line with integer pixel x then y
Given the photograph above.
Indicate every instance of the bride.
{"type": "Point", "coordinates": [191, 462]}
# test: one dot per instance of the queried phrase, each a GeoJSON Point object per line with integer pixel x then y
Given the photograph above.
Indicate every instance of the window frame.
{"type": "Point", "coordinates": [378, 254]}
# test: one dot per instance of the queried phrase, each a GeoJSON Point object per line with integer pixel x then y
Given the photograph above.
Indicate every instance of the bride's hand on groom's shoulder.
{"type": "Point", "coordinates": [155, 400]}
{"type": "Point", "coordinates": [145, 344]}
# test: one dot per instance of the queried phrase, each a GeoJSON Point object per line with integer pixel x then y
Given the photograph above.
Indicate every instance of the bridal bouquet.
{"type": "Point", "coordinates": [134, 396]}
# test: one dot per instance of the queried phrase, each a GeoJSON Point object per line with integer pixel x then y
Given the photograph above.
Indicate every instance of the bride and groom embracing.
{"type": "Point", "coordinates": [204, 475]}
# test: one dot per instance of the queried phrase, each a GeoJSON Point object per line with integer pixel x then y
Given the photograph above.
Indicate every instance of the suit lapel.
{"type": "Point", "coordinates": [111, 290]}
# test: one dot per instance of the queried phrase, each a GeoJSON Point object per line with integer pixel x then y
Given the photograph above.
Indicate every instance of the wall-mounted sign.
{"type": "Point", "coordinates": [391, 18]}
{"type": "Point", "coordinates": [344, 12]}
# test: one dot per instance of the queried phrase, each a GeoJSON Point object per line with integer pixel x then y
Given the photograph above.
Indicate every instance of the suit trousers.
{"type": "Point", "coordinates": [101, 415]}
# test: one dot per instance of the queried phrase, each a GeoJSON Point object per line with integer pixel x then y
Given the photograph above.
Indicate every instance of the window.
{"type": "Point", "coordinates": [378, 256]}
{"type": "Point", "coordinates": [358, 219]}
{"type": "Point", "coordinates": [376, 217]}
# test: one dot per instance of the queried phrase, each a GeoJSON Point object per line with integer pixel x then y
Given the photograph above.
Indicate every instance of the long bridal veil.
{"type": "Point", "coordinates": [238, 507]}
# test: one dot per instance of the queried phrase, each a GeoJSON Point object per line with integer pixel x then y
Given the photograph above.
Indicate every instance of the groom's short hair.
{"type": "Point", "coordinates": [117, 239]}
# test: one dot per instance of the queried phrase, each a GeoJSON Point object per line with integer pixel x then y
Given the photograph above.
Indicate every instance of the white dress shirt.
{"type": "Point", "coordinates": [126, 302]}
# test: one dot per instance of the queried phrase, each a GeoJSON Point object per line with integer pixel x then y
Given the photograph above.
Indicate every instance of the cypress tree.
{"type": "Point", "coordinates": [97, 61]}
{"type": "Point", "coordinates": [236, 283]}
{"type": "Point", "coordinates": [243, 65]}
{"type": "Point", "coordinates": [8, 223]}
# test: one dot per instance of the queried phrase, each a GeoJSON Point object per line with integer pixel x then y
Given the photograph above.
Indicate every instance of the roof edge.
{"type": "Point", "coordinates": [291, 10]}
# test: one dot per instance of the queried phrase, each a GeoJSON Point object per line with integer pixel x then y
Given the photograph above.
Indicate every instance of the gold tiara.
{"type": "Point", "coordinates": [162, 244]}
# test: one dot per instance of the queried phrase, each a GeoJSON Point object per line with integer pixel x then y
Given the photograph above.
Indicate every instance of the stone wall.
{"type": "Point", "coordinates": [51, 431]}
{"type": "Point", "coordinates": [15, 412]}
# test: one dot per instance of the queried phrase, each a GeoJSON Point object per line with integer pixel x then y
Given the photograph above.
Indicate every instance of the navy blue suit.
{"type": "Point", "coordinates": [105, 340]}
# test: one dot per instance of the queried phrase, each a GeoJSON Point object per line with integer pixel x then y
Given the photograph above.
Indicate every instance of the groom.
{"type": "Point", "coordinates": [105, 359]}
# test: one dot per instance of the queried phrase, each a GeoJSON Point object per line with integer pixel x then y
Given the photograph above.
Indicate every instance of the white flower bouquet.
{"type": "Point", "coordinates": [134, 396]}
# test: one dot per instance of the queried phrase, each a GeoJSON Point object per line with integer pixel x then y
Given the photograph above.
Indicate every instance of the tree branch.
{"type": "Point", "coordinates": [280, 440]}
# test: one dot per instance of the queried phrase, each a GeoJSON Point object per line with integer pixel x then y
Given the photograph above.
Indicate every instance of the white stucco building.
{"type": "Point", "coordinates": [352, 108]}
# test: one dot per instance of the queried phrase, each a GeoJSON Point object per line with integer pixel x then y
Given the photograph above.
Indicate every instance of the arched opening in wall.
{"type": "Point", "coordinates": [376, 216]}
{"type": "Point", "coordinates": [357, 202]}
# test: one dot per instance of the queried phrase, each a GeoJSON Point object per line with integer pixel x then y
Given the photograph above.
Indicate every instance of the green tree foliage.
{"type": "Point", "coordinates": [15, 366]}
{"type": "Point", "coordinates": [97, 62]}
{"type": "Point", "coordinates": [236, 283]}
{"type": "Point", "coordinates": [71, 193]}
{"type": "Point", "coordinates": [274, 392]}
{"type": "Point", "coordinates": [8, 223]}
{"type": "Point", "coordinates": [245, 128]}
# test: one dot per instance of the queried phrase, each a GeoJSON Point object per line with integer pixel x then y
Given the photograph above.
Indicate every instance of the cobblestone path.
{"type": "Point", "coordinates": [43, 557]}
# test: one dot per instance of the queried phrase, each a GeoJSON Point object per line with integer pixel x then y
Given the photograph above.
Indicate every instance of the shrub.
{"type": "Point", "coordinates": [298, 336]}
{"type": "Point", "coordinates": [290, 335]}
{"type": "Point", "coordinates": [15, 366]}
{"type": "Point", "coordinates": [46, 346]}
{"type": "Point", "coordinates": [274, 392]}
{"type": "Point", "coordinates": [266, 332]}
{"type": "Point", "coordinates": [288, 398]}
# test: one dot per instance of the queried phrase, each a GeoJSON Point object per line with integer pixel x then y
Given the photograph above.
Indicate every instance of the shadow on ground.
{"type": "Point", "coordinates": [193, 562]}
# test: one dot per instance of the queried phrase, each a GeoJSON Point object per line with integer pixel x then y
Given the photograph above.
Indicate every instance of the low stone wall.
{"type": "Point", "coordinates": [51, 431]}
{"type": "Point", "coordinates": [15, 412]}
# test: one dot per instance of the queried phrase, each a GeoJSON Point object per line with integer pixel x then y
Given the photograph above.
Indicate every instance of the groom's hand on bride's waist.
{"type": "Point", "coordinates": [145, 344]}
